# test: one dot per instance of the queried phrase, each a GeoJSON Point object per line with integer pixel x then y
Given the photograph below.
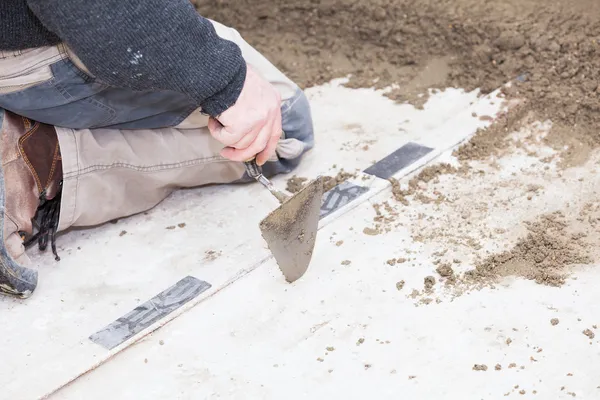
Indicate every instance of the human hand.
{"type": "Point", "coordinates": [252, 126]}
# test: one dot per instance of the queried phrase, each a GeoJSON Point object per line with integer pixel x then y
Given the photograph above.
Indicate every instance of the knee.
{"type": "Point", "coordinates": [298, 134]}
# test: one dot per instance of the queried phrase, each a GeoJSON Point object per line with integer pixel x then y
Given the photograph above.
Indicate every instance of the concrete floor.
{"type": "Point", "coordinates": [342, 330]}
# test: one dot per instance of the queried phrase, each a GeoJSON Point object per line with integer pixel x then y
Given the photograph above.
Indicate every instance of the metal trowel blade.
{"type": "Point", "coordinates": [291, 230]}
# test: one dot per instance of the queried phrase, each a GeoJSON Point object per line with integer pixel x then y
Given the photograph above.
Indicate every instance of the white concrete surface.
{"type": "Point", "coordinates": [103, 275]}
{"type": "Point", "coordinates": [261, 339]}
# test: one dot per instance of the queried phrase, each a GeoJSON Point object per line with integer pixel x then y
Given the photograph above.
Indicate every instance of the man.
{"type": "Point", "coordinates": [110, 105]}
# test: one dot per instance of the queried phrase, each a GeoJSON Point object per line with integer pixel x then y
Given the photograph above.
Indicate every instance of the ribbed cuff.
{"type": "Point", "coordinates": [220, 102]}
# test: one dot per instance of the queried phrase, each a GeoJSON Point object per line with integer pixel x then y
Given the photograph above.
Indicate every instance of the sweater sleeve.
{"type": "Point", "coordinates": [149, 45]}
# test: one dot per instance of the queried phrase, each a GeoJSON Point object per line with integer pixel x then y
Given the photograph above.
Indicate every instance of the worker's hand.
{"type": "Point", "coordinates": [252, 126]}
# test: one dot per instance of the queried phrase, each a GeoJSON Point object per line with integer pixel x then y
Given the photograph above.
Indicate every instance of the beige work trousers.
{"type": "Point", "coordinates": [113, 173]}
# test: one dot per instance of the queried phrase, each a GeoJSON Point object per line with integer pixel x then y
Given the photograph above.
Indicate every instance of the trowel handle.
{"type": "Point", "coordinates": [253, 169]}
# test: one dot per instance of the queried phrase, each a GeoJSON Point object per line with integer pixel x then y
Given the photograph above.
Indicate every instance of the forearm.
{"type": "Point", "coordinates": [149, 45]}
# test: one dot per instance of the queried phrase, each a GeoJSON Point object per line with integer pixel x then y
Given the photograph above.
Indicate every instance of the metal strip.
{"type": "Point", "coordinates": [150, 312]}
{"type": "Point", "coordinates": [339, 196]}
{"type": "Point", "coordinates": [399, 159]}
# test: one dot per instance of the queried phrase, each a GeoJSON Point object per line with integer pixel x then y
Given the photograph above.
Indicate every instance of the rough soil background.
{"type": "Point", "coordinates": [550, 49]}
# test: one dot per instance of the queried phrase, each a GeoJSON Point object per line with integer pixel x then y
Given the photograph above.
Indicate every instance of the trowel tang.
{"type": "Point", "coordinates": [254, 171]}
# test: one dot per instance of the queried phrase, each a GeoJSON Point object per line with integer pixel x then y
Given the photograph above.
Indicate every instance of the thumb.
{"type": "Point", "coordinates": [215, 128]}
{"type": "Point", "coordinates": [220, 133]}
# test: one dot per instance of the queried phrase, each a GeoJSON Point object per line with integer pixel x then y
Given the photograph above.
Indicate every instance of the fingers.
{"type": "Point", "coordinates": [258, 145]}
{"type": "Point", "coordinates": [235, 149]}
{"type": "Point", "coordinates": [269, 150]}
{"type": "Point", "coordinates": [219, 132]}
{"type": "Point", "coordinates": [266, 154]}
{"type": "Point", "coordinates": [248, 138]}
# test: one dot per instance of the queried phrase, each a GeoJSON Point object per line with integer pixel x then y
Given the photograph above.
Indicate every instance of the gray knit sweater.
{"type": "Point", "coordinates": [136, 44]}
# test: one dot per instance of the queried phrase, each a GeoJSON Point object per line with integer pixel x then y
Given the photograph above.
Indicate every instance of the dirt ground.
{"type": "Point", "coordinates": [548, 50]}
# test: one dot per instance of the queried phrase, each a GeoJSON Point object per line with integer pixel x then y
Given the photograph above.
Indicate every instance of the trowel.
{"type": "Point", "coordinates": [291, 229]}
